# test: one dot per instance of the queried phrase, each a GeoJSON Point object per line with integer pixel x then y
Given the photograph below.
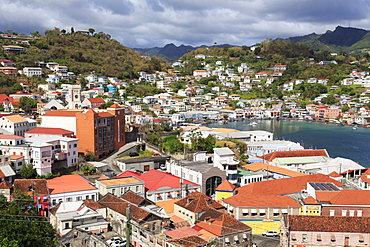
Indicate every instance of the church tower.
{"type": "Point", "coordinates": [74, 97]}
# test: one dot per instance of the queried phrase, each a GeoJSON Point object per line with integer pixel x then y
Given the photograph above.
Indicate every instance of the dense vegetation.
{"type": "Point", "coordinates": [83, 54]}
{"type": "Point", "coordinates": [302, 63]}
{"type": "Point", "coordinates": [21, 224]}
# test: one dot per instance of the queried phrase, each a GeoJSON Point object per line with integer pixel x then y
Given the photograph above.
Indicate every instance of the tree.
{"type": "Point", "coordinates": [22, 225]}
{"type": "Point", "coordinates": [27, 103]}
{"type": "Point", "coordinates": [89, 156]}
{"type": "Point", "coordinates": [27, 171]}
{"type": "Point", "coordinates": [172, 144]}
{"type": "Point", "coordinates": [92, 31]}
{"type": "Point", "coordinates": [330, 100]}
{"type": "Point", "coordinates": [88, 170]}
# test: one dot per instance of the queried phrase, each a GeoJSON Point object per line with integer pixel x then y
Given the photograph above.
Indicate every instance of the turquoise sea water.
{"type": "Point", "coordinates": [339, 141]}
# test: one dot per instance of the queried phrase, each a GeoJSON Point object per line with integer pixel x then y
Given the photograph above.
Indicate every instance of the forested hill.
{"type": "Point", "coordinates": [83, 53]}
{"type": "Point", "coordinates": [346, 39]}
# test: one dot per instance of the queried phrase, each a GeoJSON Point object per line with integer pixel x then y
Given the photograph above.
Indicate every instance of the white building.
{"type": "Point", "coordinates": [71, 188]}
{"type": "Point", "coordinates": [69, 215]}
{"type": "Point", "coordinates": [32, 71]}
{"type": "Point", "coordinates": [224, 160]}
{"type": "Point", "coordinates": [16, 124]}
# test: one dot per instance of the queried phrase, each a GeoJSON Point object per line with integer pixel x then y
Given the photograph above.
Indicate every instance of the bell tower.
{"type": "Point", "coordinates": [74, 97]}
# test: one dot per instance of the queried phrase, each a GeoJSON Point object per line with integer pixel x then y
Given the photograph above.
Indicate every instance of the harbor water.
{"type": "Point", "coordinates": [339, 141]}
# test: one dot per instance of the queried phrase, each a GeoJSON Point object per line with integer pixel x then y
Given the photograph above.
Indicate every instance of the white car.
{"type": "Point", "coordinates": [117, 242]}
{"type": "Point", "coordinates": [270, 233]}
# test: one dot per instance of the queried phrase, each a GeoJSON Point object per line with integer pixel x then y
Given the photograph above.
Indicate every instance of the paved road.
{"type": "Point", "coordinates": [266, 241]}
{"type": "Point", "coordinates": [110, 160]}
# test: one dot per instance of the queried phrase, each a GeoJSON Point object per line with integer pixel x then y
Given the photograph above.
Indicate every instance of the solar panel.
{"type": "Point", "coordinates": [314, 186]}
{"type": "Point", "coordinates": [335, 188]}
{"type": "Point", "coordinates": [326, 186]}
{"type": "Point", "coordinates": [320, 186]}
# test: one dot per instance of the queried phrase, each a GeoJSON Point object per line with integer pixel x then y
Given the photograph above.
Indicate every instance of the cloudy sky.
{"type": "Point", "coordinates": [149, 23]}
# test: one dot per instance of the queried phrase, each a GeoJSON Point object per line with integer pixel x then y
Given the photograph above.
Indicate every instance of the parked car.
{"type": "Point", "coordinates": [117, 242]}
{"type": "Point", "coordinates": [270, 233]}
{"type": "Point", "coordinates": [99, 235]}
{"type": "Point", "coordinates": [134, 154]}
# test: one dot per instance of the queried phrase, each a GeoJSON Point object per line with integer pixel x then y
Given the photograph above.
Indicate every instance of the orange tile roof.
{"type": "Point", "coordinates": [262, 201]}
{"type": "Point", "coordinates": [10, 137]}
{"type": "Point", "coordinates": [117, 181]}
{"type": "Point", "coordinates": [2, 175]}
{"type": "Point", "coordinates": [16, 118]}
{"type": "Point", "coordinates": [296, 153]}
{"type": "Point", "coordinates": [69, 183]}
{"type": "Point", "coordinates": [257, 166]}
{"type": "Point", "coordinates": [226, 185]}
{"type": "Point", "coordinates": [167, 205]}
{"type": "Point", "coordinates": [102, 176]}
{"type": "Point", "coordinates": [62, 113]}
{"type": "Point", "coordinates": [15, 157]}
{"type": "Point", "coordinates": [310, 200]}
{"type": "Point", "coordinates": [132, 197]}
{"type": "Point", "coordinates": [283, 186]}
{"type": "Point", "coordinates": [5, 185]}
{"type": "Point", "coordinates": [175, 218]}
{"type": "Point", "coordinates": [334, 174]}
{"type": "Point", "coordinates": [351, 197]}
{"type": "Point", "coordinates": [40, 186]}
{"type": "Point", "coordinates": [325, 196]}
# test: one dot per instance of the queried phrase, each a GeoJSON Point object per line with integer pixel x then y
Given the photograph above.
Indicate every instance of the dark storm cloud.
{"type": "Point", "coordinates": [148, 23]}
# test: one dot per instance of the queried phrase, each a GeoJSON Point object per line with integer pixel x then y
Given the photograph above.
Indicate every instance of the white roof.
{"type": "Point", "coordinates": [223, 151]}
{"type": "Point", "coordinates": [7, 170]}
{"type": "Point", "coordinates": [49, 139]}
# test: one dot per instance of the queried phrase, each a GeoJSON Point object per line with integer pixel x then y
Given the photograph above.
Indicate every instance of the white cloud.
{"type": "Point", "coordinates": [148, 23]}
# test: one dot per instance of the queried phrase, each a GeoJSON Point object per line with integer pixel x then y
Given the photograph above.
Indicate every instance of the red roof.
{"type": "Point", "coordinates": [284, 186]}
{"type": "Point", "coordinates": [351, 197]}
{"type": "Point", "coordinates": [46, 130]}
{"type": "Point", "coordinates": [155, 179]}
{"type": "Point", "coordinates": [296, 153]}
{"type": "Point", "coordinates": [96, 100]}
{"type": "Point", "coordinates": [69, 183]}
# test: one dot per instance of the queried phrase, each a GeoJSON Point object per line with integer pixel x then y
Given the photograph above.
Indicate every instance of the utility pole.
{"type": "Point", "coordinates": [128, 241]}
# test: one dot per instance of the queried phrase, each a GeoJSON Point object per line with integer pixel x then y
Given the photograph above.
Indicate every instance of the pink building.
{"type": "Point", "coordinates": [324, 112]}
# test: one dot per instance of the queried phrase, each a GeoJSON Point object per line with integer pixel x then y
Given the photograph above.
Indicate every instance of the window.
{"type": "Point", "coordinates": [352, 213]}
{"type": "Point", "coordinates": [361, 238]}
{"type": "Point", "coordinates": [332, 212]}
{"type": "Point", "coordinates": [262, 212]}
{"type": "Point", "coordinates": [69, 199]}
{"type": "Point", "coordinates": [66, 225]}
{"type": "Point", "coordinates": [253, 212]}
{"type": "Point", "coordinates": [245, 212]}
{"type": "Point", "coordinates": [318, 238]}
{"type": "Point", "coordinates": [332, 238]}
{"type": "Point", "coordinates": [276, 212]}
{"type": "Point", "coordinates": [293, 237]}
{"type": "Point", "coordinates": [359, 213]}
{"type": "Point", "coordinates": [79, 198]}
{"type": "Point", "coordinates": [344, 212]}
{"type": "Point", "coordinates": [304, 237]}
{"type": "Point", "coordinates": [113, 191]}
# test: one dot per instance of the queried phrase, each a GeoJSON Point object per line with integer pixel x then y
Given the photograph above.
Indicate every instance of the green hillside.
{"type": "Point", "coordinates": [83, 54]}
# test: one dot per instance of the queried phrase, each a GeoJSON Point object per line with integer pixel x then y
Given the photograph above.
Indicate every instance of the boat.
{"type": "Point", "coordinates": [355, 128]}
{"type": "Point", "coordinates": [253, 123]}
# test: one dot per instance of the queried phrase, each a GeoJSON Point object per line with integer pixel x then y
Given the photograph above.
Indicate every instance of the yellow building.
{"type": "Point", "coordinates": [310, 207]}
{"type": "Point", "coordinates": [224, 190]}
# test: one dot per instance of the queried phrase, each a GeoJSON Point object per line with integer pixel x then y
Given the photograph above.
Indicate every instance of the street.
{"type": "Point", "coordinates": [266, 241]}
